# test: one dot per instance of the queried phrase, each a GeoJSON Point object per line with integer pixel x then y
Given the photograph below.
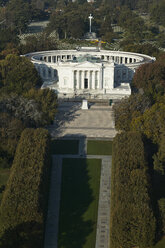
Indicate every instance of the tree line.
{"type": "Point", "coordinates": [23, 207]}
{"type": "Point", "coordinates": [143, 113]}
{"type": "Point", "coordinates": [133, 223]}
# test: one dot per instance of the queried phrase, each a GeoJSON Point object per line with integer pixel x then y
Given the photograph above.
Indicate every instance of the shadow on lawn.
{"type": "Point", "coordinates": [75, 223]}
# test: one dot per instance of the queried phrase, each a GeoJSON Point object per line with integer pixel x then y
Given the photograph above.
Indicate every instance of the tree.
{"type": "Point", "coordinates": [58, 22]}
{"type": "Point", "coordinates": [151, 78]}
{"type": "Point", "coordinates": [157, 12]}
{"type": "Point", "coordinates": [151, 123]}
{"type": "Point", "coordinates": [26, 110]}
{"type": "Point", "coordinates": [39, 42]}
{"type": "Point", "coordinates": [7, 36]}
{"type": "Point", "coordinates": [47, 100]}
{"type": "Point", "coordinates": [18, 15]}
{"type": "Point", "coordinates": [75, 26]}
{"type": "Point", "coordinates": [144, 49]}
{"type": "Point", "coordinates": [10, 132]}
{"type": "Point", "coordinates": [18, 74]}
{"type": "Point", "coordinates": [129, 108]}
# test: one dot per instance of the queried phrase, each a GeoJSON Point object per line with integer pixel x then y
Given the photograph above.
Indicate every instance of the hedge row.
{"type": "Point", "coordinates": [132, 220]}
{"type": "Point", "coordinates": [23, 206]}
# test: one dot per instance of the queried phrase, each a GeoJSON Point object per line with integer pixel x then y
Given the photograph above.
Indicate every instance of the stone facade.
{"type": "Point", "coordinates": [88, 72]}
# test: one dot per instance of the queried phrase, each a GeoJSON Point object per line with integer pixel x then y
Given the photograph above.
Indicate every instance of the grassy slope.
{"type": "Point", "coordinates": [160, 244]}
{"type": "Point", "coordinates": [99, 147]}
{"type": "Point", "coordinates": [79, 203]}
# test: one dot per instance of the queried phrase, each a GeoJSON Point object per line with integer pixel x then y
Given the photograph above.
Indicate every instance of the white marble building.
{"type": "Point", "coordinates": [88, 72]}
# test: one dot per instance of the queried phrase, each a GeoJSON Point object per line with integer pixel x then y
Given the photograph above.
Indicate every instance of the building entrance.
{"type": "Point", "coordinates": [86, 83]}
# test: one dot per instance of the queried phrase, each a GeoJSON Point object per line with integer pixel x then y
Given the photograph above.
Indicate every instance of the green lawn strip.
{"type": "Point", "coordinates": [79, 203]}
{"type": "Point", "coordinates": [4, 174]}
{"type": "Point", "coordinates": [160, 244]}
{"type": "Point", "coordinates": [65, 146]}
{"type": "Point", "coordinates": [99, 147]}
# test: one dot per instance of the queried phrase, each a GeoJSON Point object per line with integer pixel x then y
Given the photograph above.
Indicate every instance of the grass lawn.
{"type": "Point", "coordinates": [65, 146]}
{"type": "Point", "coordinates": [79, 203]}
{"type": "Point", "coordinates": [160, 244]}
{"type": "Point", "coordinates": [99, 147]}
{"type": "Point", "coordinates": [4, 174]}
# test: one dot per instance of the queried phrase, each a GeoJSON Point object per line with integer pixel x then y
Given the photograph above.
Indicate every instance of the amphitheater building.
{"type": "Point", "coordinates": [88, 72]}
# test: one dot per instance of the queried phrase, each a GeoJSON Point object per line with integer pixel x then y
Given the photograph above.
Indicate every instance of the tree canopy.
{"type": "Point", "coordinates": [23, 207]}
{"type": "Point", "coordinates": [18, 74]}
{"type": "Point", "coordinates": [133, 222]}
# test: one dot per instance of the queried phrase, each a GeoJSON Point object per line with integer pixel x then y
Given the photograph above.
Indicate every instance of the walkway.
{"type": "Point", "coordinates": [103, 220]}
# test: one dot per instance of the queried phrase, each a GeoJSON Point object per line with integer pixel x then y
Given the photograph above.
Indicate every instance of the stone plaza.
{"type": "Point", "coordinates": [95, 122]}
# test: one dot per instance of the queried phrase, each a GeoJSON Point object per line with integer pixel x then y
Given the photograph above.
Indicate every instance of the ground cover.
{"type": "Point", "coordinates": [79, 203]}
{"type": "Point", "coordinates": [4, 174]}
{"type": "Point", "coordinates": [99, 147]}
{"type": "Point", "coordinates": [64, 146]}
{"type": "Point", "coordinates": [160, 244]}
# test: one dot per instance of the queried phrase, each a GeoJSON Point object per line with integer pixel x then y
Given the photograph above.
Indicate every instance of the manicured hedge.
{"type": "Point", "coordinates": [23, 206]}
{"type": "Point", "coordinates": [132, 219]}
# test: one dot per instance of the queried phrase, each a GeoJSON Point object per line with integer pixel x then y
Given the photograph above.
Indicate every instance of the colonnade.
{"type": "Point", "coordinates": [108, 58]}
{"type": "Point", "coordinates": [47, 72]}
{"type": "Point", "coordinates": [123, 74]}
{"type": "Point", "coordinates": [88, 79]}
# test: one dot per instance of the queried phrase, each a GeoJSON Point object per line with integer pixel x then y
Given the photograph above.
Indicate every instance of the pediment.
{"type": "Point", "coordinates": [87, 64]}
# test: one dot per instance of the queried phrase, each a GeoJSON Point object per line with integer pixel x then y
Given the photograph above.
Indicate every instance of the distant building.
{"type": "Point", "coordinates": [88, 71]}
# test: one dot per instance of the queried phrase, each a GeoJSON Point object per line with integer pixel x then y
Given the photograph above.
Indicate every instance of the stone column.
{"type": "Point", "coordinates": [52, 73]}
{"type": "Point", "coordinates": [82, 81]}
{"type": "Point", "coordinates": [89, 80]}
{"type": "Point", "coordinates": [121, 75]}
{"type": "Point", "coordinates": [126, 74]}
{"type": "Point", "coordinates": [46, 73]}
{"type": "Point", "coordinates": [93, 79]}
{"type": "Point", "coordinates": [100, 79]}
{"type": "Point", "coordinates": [77, 79]}
{"type": "Point", "coordinates": [41, 73]}
{"type": "Point", "coordinates": [86, 77]}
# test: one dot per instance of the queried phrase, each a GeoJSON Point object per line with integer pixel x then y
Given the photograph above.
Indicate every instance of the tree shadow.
{"type": "Point", "coordinates": [75, 222]}
{"type": "Point", "coordinates": [24, 235]}
{"type": "Point", "coordinates": [67, 112]}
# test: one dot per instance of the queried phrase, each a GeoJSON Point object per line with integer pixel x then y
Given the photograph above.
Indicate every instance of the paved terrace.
{"type": "Point", "coordinates": [95, 122]}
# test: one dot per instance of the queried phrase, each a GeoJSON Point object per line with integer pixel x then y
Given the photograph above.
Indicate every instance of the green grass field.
{"type": "Point", "coordinates": [4, 174]}
{"type": "Point", "coordinates": [65, 146]}
{"type": "Point", "coordinates": [99, 147]}
{"type": "Point", "coordinates": [79, 203]}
